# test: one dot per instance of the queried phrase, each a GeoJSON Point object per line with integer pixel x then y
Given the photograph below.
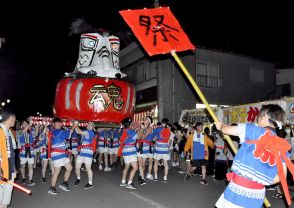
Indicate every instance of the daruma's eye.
{"type": "Point", "coordinates": [89, 43]}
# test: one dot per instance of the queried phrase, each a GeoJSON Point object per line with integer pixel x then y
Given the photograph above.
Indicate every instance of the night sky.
{"type": "Point", "coordinates": [38, 49]}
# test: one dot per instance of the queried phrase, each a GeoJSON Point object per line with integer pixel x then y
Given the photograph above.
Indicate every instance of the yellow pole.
{"type": "Point", "coordinates": [203, 99]}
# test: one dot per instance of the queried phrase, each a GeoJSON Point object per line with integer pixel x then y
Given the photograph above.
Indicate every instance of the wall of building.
{"type": "Point", "coordinates": [284, 77]}
{"type": "Point", "coordinates": [223, 78]}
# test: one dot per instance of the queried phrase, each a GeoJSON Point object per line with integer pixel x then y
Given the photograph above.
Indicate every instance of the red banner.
{"type": "Point", "coordinates": [158, 30]}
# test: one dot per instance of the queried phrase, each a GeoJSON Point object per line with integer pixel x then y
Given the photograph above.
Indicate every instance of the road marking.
{"type": "Point", "coordinates": [151, 202]}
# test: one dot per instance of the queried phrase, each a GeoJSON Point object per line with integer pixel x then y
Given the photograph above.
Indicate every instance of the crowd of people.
{"type": "Point", "coordinates": [139, 147]}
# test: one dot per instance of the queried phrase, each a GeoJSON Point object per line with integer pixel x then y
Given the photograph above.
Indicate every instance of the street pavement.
{"type": "Point", "coordinates": [108, 194]}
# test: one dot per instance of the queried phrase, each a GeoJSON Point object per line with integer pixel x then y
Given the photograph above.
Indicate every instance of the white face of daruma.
{"type": "Point", "coordinates": [99, 54]}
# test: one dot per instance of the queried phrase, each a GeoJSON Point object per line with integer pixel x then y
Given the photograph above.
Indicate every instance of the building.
{"type": "Point", "coordinates": [224, 78]}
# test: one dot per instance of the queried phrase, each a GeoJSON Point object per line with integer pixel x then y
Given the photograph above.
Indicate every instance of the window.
{"type": "Point", "coordinates": [207, 75]}
{"type": "Point", "coordinates": [256, 75]}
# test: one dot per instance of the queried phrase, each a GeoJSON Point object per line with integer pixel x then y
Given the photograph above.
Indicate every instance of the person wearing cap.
{"type": "Point", "coordinates": [7, 157]}
{"type": "Point", "coordinates": [59, 154]}
{"type": "Point", "coordinates": [85, 155]}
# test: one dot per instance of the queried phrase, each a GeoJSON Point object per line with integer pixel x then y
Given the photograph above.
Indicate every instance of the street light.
{"type": "Point", "coordinates": [38, 113]}
{"type": "Point", "coordinates": [3, 104]}
{"type": "Point", "coordinates": [8, 100]}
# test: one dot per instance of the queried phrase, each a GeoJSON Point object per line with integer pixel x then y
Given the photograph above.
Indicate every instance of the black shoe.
{"type": "Point", "coordinates": [88, 186]}
{"type": "Point", "coordinates": [77, 182]}
{"type": "Point", "coordinates": [64, 186]}
{"type": "Point", "coordinates": [143, 181]}
{"type": "Point", "coordinates": [31, 183]}
{"type": "Point", "coordinates": [155, 179]}
{"type": "Point", "coordinates": [53, 191]}
{"type": "Point", "coordinates": [43, 180]}
{"type": "Point", "coordinates": [204, 182]}
{"type": "Point", "coordinates": [187, 177]}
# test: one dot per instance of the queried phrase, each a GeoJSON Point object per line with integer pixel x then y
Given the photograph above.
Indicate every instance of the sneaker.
{"type": "Point", "coordinates": [181, 172]}
{"type": "Point", "coordinates": [155, 179]}
{"type": "Point", "coordinates": [107, 169]}
{"type": "Point", "coordinates": [77, 182]}
{"type": "Point", "coordinates": [64, 186]}
{"type": "Point", "coordinates": [43, 180]}
{"type": "Point", "coordinates": [173, 164]}
{"type": "Point", "coordinates": [143, 181]}
{"type": "Point", "coordinates": [100, 167]}
{"type": "Point", "coordinates": [53, 191]}
{"type": "Point", "coordinates": [177, 164]}
{"type": "Point", "coordinates": [131, 186]}
{"type": "Point", "coordinates": [203, 182]}
{"type": "Point", "coordinates": [149, 176]}
{"type": "Point", "coordinates": [278, 196]}
{"type": "Point", "coordinates": [88, 186]}
{"type": "Point", "coordinates": [164, 180]}
{"type": "Point", "coordinates": [123, 184]}
{"type": "Point", "coordinates": [31, 183]}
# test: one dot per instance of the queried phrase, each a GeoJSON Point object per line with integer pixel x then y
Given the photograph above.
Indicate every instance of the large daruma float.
{"type": "Point", "coordinates": [95, 90]}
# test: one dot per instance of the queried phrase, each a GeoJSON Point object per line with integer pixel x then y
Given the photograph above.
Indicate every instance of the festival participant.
{"type": "Point", "coordinates": [103, 149]}
{"type": "Point", "coordinates": [197, 144]}
{"type": "Point", "coordinates": [85, 155]}
{"type": "Point", "coordinates": [7, 159]}
{"type": "Point", "coordinates": [43, 143]}
{"type": "Point", "coordinates": [127, 149]}
{"type": "Point", "coordinates": [144, 143]}
{"type": "Point", "coordinates": [161, 149]}
{"type": "Point", "coordinates": [221, 160]}
{"type": "Point", "coordinates": [59, 154]}
{"type": "Point", "coordinates": [72, 144]}
{"type": "Point", "coordinates": [25, 141]}
{"type": "Point", "coordinates": [113, 145]}
{"type": "Point", "coordinates": [259, 160]}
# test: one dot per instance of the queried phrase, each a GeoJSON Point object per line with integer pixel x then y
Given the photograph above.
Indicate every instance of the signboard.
{"type": "Point", "coordinates": [248, 113]}
{"type": "Point", "coordinates": [157, 30]}
{"type": "Point", "coordinates": [191, 116]}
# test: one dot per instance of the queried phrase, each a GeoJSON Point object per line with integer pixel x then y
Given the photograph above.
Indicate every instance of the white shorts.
{"type": "Point", "coordinates": [145, 156]}
{"type": "Point", "coordinates": [60, 162]}
{"type": "Point", "coordinates": [28, 160]}
{"type": "Point", "coordinates": [102, 150]}
{"type": "Point", "coordinates": [161, 156]}
{"type": "Point", "coordinates": [113, 151]}
{"type": "Point", "coordinates": [82, 159]}
{"type": "Point", "coordinates": [130, 159]}
{"type": "Point", "coordinates": [5, 194]}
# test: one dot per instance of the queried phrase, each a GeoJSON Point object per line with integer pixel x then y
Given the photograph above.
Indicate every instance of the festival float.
{"type": "Point", "coordinates": [96, 90]}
